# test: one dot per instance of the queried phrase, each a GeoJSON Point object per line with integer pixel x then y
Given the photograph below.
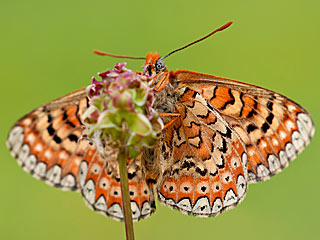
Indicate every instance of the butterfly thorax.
{"type": "Point", "coordinates": [165, 100]}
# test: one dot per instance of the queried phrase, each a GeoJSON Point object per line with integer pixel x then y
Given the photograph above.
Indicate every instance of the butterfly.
{"type": "Point", "coordinates": [219, 136]}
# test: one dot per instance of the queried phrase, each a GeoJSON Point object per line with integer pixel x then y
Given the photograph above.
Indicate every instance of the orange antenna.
{"type": "Point", "coordinates": [199, 40]}
{"type": "Point", "coordinates": [115, 56]}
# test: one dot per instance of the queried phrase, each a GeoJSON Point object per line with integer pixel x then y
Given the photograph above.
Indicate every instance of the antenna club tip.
{"type": "Point", "coordinates": [225, 26]}
{"type": "Point", "coordinates": [97, 52]}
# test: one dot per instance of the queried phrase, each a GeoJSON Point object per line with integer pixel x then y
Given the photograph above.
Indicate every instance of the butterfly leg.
{"type": "Point", "coordinates": [175, 115]}
{"type": "Point", "coordinates": [162, 82]}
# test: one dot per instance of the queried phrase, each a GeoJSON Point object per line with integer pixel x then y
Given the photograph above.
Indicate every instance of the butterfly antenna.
{"type": "Point", "coordinates": [115, 56]}
{"type": "Point", "coordinates": [199, 40]}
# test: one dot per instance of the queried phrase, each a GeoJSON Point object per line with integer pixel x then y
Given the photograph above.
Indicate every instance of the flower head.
{"type": "Point", "coordinates": [120, 111]}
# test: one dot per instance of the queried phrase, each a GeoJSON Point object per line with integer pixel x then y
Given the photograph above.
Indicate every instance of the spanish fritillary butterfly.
{"type": "Point", "coordinates": [220, 136]}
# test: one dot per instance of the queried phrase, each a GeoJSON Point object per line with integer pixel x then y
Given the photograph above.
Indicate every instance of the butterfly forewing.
{"type": "Point", "coordinates": [273, 128]}
{"type": "Point", "coordinates": [47, 143]}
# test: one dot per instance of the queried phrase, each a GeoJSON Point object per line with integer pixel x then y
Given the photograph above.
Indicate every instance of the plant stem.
{"type": "Point", "coordinates": [126, 205]}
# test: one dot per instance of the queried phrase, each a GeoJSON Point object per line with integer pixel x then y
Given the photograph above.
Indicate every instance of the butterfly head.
{"type": "Point", "coordinates": [153, 65]}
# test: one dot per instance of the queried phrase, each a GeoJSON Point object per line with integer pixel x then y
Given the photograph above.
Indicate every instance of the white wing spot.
{"type": "Point", "coordinates": [297, 141]}
{"type": "Point", "coordinates": [115, 211]}
{"type": "Point", "coordinates": [31, 138]}
{"type": "Point", "coordinates": [101, 204]}
{"type": "Point", "coordinates": [38, 147]}
{"type": "Point", "coordinates": [63, 155]}
{"type": "Point", "coordinates": [303, 132]}
{"type": "Point", "coordinates": [68, 181]}
{"type": "Point", "coordinates": [275, 142]}
{"type": "Point", "coordinates": [291, 153]}
{"type": "Point", "coordinates": [241, 186]}
{"type": "Point", "coordinates": [283, 135]}
{"type": "Point", "coordinates": [48, 154]}
{"type": "Point", "coordinates": [135, 211]}
{"type": "Point", "coordinates": [202, 206]}
{"type": "Point", "coordinates": [290, 125]}
{"type": "Point", "coordinates": [83, 172]}
{"type": "Point", "coordinates": [77, 161]}
{"type": "Point", "coordinates": [54, 175]}
{"type": "Point", "coordinates": [262, 171]}
{"type": "Point", "coordinates": [263, 144]}
{"type": "Point", "coordinates": [217, 205]}
{"type": "Point", "coordinates": [26, 122]}
{"type": "Point", "coordinates": [185, 205]}
{"type": "Point", "coordinates": [17, 144]}
{"type": "Point", "coordinates": [283, 159]}
{"type": "Point", "coordinates": [30, 163]}
{"type": "Point", "coordinates": [292, 108]}
{"type": "Point", "coordinates": [307, 122]}
{"type": "Point", "coordinates": [274, 163]}
{"type": "Point", "coordinates": [23, 154]}
{"type": "Point", "coordinates": [244, 163]}
{"type": "Point", "coordinates": [40, 170]}
{"type": "Point", "coordinates": [230, 198]}
{"type": "Point", "coordinates": [251, 152]}
{"type": "Point", "coordinates": [170, 202]}
{"type": "Point", "coordinates": [146, 209]}
{"type": "Point", "coordinates": [14, 135]}
{"type": "Point", "coordinates": [89, 191]}
{"type": "Point", "coordinates": [251, 177]}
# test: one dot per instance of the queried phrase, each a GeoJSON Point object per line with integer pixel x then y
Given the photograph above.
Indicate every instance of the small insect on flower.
{"type": "Point", "coordinates": [218, 135]}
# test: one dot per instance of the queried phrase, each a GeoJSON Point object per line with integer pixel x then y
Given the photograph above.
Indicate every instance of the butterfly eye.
{"type": "Point", "coordinates": [159, 65]}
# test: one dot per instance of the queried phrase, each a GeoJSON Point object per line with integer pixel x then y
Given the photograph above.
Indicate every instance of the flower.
{"type": "Point", "coordinates": [120, 111]}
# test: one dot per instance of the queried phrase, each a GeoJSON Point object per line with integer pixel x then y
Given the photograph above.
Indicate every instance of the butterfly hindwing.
{"type": "Point", "coordinates": [204, 163]}
{"type": "Point", "coordinates": [274, 128]}
{"type": "Point", "coordinates": [100, 185]}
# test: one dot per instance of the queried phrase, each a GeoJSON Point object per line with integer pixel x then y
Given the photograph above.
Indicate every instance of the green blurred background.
{"type": "Point", "coordinates": [46, 52]}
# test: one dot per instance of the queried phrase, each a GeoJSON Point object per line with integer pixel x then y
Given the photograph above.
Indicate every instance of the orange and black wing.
{"type": "Point", "coordinates": [273, 128]}
{"type": "Point", "coordinates": [47, 143]}
{"type": "Point", "coordinates": [228, 134]}
{"type": "Point", "coordinates": [203, 160]}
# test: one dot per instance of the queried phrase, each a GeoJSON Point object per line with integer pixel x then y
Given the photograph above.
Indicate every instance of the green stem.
{"type": "Point", "coordinates": [125, 194]}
